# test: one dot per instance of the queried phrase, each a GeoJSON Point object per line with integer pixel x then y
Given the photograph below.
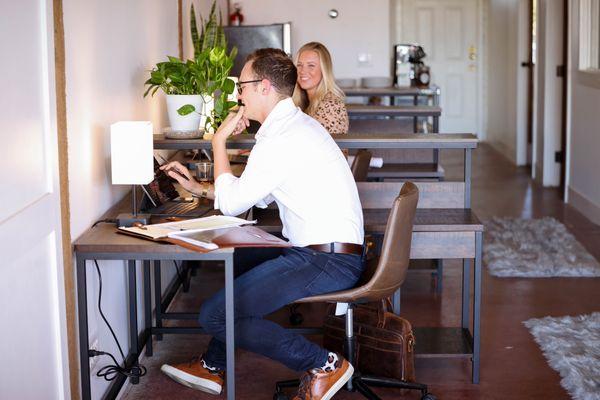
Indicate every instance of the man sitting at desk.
{"type": "Point", "coordinates": [295, 163]}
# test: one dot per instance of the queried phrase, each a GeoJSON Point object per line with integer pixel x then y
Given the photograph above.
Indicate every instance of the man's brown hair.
{"type": "Point", "coordinates": [275, 66]}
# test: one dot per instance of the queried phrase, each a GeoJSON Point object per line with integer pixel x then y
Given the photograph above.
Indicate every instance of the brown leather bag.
{"type": "Point", "coordinates": [384, 341]}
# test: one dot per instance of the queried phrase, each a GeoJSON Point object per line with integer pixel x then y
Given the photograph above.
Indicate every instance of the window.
{"type": "Point", "coordinates": [589, 35]}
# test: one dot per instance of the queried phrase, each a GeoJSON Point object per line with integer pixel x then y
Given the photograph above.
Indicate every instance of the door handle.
{"type": "Point", "coordinates": [527, 64]}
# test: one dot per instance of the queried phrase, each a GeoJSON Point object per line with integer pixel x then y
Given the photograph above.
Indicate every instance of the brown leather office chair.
{"type": "Point", "coordinates": [360, 165]}
{"type": "Point", "coordinates": [376, 284]}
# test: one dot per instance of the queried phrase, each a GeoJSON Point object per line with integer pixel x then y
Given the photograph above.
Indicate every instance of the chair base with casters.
{"type": "Point", "coordinates": [358, 382]}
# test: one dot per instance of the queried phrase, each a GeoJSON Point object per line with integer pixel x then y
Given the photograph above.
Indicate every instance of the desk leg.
{"type": "Point", "coordinates": [157, 298]}
{"type": "Point", "coordinates": [229, 327]}
{"type": "Point", "coordinates": [466, 293]}
{"type": "Point", "coordinates": [133, 327]}
{"type": "Point", "coordinates": [147, 308]}
{"type": "Point", "coordinates": [467, 177]}
{"type": "Point", "coordinates": [477, 306]}
{"type": "Point", "coordinates": [396, 302]}
{"type": "Point", "coordinates": [84, 343]}
{"type": "Point", "coordinates": [416, 119]}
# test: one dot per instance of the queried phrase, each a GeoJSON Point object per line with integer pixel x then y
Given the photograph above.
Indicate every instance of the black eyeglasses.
{"type": "Point", "coordinates": [240, 88]}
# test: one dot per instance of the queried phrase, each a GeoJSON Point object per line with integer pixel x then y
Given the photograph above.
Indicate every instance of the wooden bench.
{"type": "Point", "coordinates": [377, 111]}
{"type": "Point", "coordinates": [433, 92]}
{"type": "Point", "coordinates": [443, 229]}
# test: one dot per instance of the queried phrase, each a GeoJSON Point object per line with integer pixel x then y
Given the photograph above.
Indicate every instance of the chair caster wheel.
{"type": "Point", "coordinates": [428, 396]}
{"type": "Point", "coordinates": [279, 396]}
{"type": "Point", "coordinates": [296, 318]}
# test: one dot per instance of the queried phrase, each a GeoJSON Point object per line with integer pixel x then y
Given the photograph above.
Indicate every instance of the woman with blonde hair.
{"type": "Point", "coordinates": [316, 92]}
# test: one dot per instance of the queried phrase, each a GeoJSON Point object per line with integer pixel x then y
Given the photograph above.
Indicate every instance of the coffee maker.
{"type": "Point", "coordinates": [409, 69]}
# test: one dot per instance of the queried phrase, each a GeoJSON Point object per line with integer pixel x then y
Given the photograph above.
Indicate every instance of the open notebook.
{"type": "Point", "coordinates": [208, 233]}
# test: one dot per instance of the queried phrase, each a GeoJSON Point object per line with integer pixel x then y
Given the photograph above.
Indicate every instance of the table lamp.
{"type": "Point", "coordinates": [132, 162]}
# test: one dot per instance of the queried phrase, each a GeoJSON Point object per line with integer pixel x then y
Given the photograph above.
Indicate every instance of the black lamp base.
{"type": "Point", "coordinates": [130, 219]}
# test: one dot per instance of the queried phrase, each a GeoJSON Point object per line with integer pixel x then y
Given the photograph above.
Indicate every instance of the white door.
{"type": "Point", "coordinates": [448, 32]}
{"type": "Point", "coordinates": [32, 338]}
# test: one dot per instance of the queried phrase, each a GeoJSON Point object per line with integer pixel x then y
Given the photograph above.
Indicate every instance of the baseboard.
{"type": "Point", "coordinates": [539, 175]}
{"type": "Point", "coordinates": [504, 150]}
{"type": "Point", "coordinates": [584, 205]}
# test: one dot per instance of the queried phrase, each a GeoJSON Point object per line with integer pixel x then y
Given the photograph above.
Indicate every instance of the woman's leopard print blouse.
{"type": "Point", "coordinates": [332, 114]}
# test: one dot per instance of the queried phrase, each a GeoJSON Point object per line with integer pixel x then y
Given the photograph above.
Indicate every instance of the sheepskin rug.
{"type": "Point", "coordinates": [572, 347]}
{"type": "Point", "coordinates": [535, 248]}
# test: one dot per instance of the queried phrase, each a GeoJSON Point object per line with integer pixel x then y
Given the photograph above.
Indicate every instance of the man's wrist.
{"type": "Point", "coordinates": [200, 191]}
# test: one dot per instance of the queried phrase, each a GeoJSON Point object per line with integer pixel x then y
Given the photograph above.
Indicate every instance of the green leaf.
{"type": "Point", "coordinates": [231, 104]}
{"type": "Point", "coordinates": [194, 31]}
{"type": "Point", "coordinates": [186, 109]}
{"type": "Point", "coordinates": [147, 90]}
{"type": "Point", "coordinates": [219, 105]}
{"type": "Point", "coordinates": [228, 86]}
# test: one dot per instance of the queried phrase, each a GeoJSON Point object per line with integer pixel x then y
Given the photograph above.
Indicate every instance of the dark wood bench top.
{"type": "Point", "coordinates": [413, 170]}
{"type": "Point", "coordinates": [392, 91]}
{"type": "Point", "coordinates": [375, 220]}
{"type": "Point", "coordinates": [394, 111]}
{"type": "Point", "coordinates": [372, 140]}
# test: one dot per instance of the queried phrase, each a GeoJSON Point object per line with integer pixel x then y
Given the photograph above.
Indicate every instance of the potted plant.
{"type": "Point", "coordinates": [212, 41]}
{"type": "Point", "coordinates": [197, 87]}
{"type": "Point", "coordinates": [184, 84]}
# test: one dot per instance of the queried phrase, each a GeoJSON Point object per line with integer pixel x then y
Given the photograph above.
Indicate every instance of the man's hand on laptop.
{"type": "Point", "coordinates": [182, 175]}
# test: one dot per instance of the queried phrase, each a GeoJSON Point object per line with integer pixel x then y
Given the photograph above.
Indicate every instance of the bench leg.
{"type": "Point", "coordinates": [439, 273]}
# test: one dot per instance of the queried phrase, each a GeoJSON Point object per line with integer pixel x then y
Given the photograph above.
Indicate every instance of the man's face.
{"type": "Point", "coordinates": [249, 95]}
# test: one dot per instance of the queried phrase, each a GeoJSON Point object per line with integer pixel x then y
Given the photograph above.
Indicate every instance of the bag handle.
{"type": "Point", "coordinates": [384, 306]}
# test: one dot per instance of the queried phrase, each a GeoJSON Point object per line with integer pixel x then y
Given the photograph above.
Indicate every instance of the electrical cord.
{"type": "Point", "coordinates": [107, 220]}
{"type": "Point", "coordinates": [110, 372]}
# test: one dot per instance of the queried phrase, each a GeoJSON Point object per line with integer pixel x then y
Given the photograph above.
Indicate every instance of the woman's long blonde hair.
{"type": "Point", "coordinates": [326, 85]}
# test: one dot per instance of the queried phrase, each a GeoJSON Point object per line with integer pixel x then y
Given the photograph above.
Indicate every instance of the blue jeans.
{"type": "Point", "coordinates": [298, 272]}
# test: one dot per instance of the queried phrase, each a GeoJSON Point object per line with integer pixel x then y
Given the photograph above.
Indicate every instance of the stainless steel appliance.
{"type": "Point", "coordinates": [248, 38]}
{"type": "Point", "coordinates": [409, 69]}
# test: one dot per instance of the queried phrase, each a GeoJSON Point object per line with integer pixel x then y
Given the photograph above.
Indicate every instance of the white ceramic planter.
{"type": "Point", "coordinates": [190, 122]}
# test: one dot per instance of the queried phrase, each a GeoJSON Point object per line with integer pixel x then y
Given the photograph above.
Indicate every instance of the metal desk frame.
{"type": "Point", "coordinates": [136, 343]}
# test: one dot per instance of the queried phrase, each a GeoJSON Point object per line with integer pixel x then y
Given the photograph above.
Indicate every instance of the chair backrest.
{"type": "Point", "coordinates": [385, 275]}
{"type": "Point", "coordinates": [360, 165]}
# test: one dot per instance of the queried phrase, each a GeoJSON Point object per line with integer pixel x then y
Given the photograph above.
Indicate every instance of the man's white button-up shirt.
{"type": "Point", "coordinates": [297, 164]}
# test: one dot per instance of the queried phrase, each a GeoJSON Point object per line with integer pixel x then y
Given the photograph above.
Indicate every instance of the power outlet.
{"type": "Point", "coordinates": [364, 60]}
{"type": "Point", "coordinates": [94, 360]}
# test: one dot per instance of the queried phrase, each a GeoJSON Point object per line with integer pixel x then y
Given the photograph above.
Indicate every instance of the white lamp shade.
{"type": "Point", "coordinates": [131, 149]}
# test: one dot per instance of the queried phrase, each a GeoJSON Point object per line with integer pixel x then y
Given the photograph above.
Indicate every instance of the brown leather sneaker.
{"type": "Point", "coordinates": [317, 384]}
{"type": "Point", "coordinates": [193, 374]}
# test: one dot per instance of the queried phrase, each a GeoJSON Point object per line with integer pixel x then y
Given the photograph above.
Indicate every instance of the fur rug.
{"type": "Point", "coordinates": [535, 248]}
{"type": "Point", "coordinates": [572, 347]}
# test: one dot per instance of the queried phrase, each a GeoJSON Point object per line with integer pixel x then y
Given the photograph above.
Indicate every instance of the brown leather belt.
{"type": "Point", "coordinates": [336, 247]}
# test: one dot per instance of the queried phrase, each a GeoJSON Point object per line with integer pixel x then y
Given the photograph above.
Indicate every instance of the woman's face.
{"type": "Point", "coordinates": [309, 70]}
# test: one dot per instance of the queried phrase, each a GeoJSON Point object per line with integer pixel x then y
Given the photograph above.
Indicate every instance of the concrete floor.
{"type": "Point", "coordinates": [512, 365]}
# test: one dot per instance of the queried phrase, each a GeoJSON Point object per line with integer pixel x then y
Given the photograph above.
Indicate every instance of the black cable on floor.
{"type": "Point", "coordinates": [110, 372]}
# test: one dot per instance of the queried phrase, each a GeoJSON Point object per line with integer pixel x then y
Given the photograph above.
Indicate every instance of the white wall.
{"type": "Point", "coordinates": [503, 64]}
{"type": "Point", "coordinates": [549, 87]}
{"type": "Point", "coordinates": [360, 28]}
{"type": "Point", "coordinates": [110, 45]}
{"type": "Point", "coordinates": [584, 143]}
